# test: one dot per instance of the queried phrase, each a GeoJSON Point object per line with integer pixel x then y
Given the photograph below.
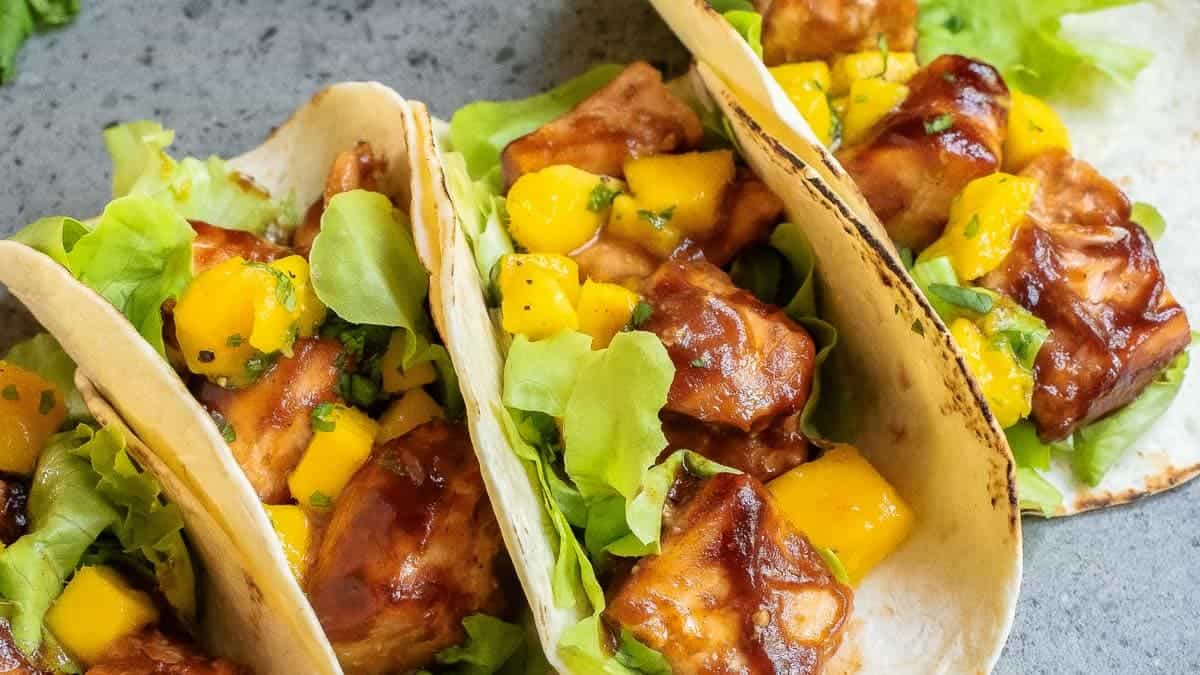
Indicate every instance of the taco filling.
{"type": "Point", "coordinates": [310, 345]}
{"type": "Point", "coordinates": [1043, 270]}
{"type": "Point", "coordinates": [663, 353]}
{"type": "Point", "coordinates": [95, 571]}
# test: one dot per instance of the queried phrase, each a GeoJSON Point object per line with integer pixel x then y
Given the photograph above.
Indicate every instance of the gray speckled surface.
{"type": "Point", "coordinates": [1114, 592]}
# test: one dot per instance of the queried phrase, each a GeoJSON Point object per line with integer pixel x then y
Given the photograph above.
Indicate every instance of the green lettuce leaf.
{"type": "Point", "coordinates": [206, 190]}
{"type": "Point", "coordinates": [1032, 455]}
{"type": "Point", "coordinates": [1150, 219]}
{"type": "Point", "coordinates": [1099, 445]}
{"type": "Point", "coordinates": [489, 645]}
{"type": "Point", "coordinates": [20, 18]}
{"type": "Point", "coordinates": [43, 355]}
{"type": "Point", "coordinates": [1035, 493]}
{"type": "Point", "coordinates": [744, 18]}
{"type": "Point", "coordinates": [639, 658]}
{"type": "Point", "coordinates": [480, 212]}
{"type": "Point", "coordinates": [53, 236]}
{"type": "Point", "coordinates": [481, 130]}
{"type": "Point", "coordinates": [540, 376]}
{"type": "Point", "coordinates": [1024, 40]}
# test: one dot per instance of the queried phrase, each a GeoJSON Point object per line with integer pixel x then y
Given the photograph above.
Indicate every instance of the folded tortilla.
{"type": "Point", "coordinates": [1146, 148]}
{"type": "Point", "coordinates": [945, 600]}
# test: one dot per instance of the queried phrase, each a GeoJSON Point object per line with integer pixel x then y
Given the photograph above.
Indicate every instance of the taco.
{"type": "Point", "coordinates": [284, 363]}
{"type": "Point", "coordinates": [928, 128]}
{"type": "Point", "coordinates": [702, 458]}
{"type": "Point", "coordinates": [101, 565]}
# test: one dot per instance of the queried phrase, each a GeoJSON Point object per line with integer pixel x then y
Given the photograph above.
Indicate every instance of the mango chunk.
{"type": "Point", "coordinates": [807, 85]}
{"type": "Point", "coordinates": [96, 609]}
{"type": "Point", "coordinates": [850, 68]}
{"type": "Point", "coordinates": [31, 410]}
{"type": "Point", "coordinates": [237, 311]}
{"type": "Point", "coordinates": [407, 413]}
{"type": "Point", "coordinates": [1033, 128]}
{"type": "Point", "coordinates": [558, 209]}
{"type": "Point", "coordinates": [685, 189]}
{"type": "Point", "coordinates": [869, 102]}
{"type": "Point", "coordinates": [650, 230]}
{"type": "Point", "coordinates": [395, 378]}
{"type": "Point", "coordinates": [840, 502]}
{"type": "Point", "coordinates": [341, 443]}
{"type": "Point", "coordinates": [295, 535]}
{"type": "Point", "coordinates": [1007, 386]}
{"type": "Point", "coordinates": [604, 309]}
{"type": "Point", "coordinates": [983, 220]}
{"type": "Point", "coordinates": [539, 293]}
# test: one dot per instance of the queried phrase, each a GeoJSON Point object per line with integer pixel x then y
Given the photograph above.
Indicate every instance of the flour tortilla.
{"type": "Point", "coordinates": [944, 602]}
{"type": "Point", "coordinates": [1148, 148]}
{"type": "Point", "coordinates": [259, 612]}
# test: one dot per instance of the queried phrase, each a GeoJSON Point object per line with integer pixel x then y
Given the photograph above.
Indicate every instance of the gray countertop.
{"type": "Point", "coordinates": [1110, 592]}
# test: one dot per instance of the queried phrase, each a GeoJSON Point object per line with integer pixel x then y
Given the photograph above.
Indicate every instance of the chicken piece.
{"type": "Point", "coordinates": [153, 653]}
{"type": "Point", "coordinates": [633, 116]}
{"type": "Point", "coordinates": [818, 30]}
{"type": "Point", "coordinates": [948, 132]}
{"type": "Point", "coordinates": [356, 169]}
{"type": "Point", "coordinates": [763, 455]}
{"type": "Point", "coordinates": [1091, 274]}
{"type": "Point", "coordinates": [738, 361]}
{"type": "Point", "coordinates": [749, 211]}
{"type": "Point", "coordinates": [12, 661]}
{"type": "Point", "coordinates": [271, 418]}
{"type": "Point", "coordinates": [616, 261]}
{"type": "Point", "coordinates": [412, 548]}
{"type": "Point", "coordinates": [736, 588]}
{"type": "Point", "coordinates": [214, 245]}
{"type": "Point", "coordinates": [14, 496]}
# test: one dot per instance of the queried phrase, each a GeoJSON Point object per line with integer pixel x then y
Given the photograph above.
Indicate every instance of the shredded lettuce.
{"type": "Point", "coordinates": [1025, 41]}
{"type": "Point", "coordinates": [744, 18]}
{"type": "Point", "coordinates": [480, 212]}
{"type": "Point", "coordinates": [54, 236]}
{"type": "Point", "coordinates": [85, 484]}
{"type": "Point", "coordinates": [489, 645]}
{"type": "Point", "coordinates": [1032, 455]}
{"type": "Point", "coordinates": [43, 355]}
{"type": "Point", "coordinates": [20, 18]}
{"type": "Point", "coordinates": [206, 190]}
{"type": "Point", "coordinates": [1035, 493]}
{"type": "Point", "coordinates": [1150, 219]}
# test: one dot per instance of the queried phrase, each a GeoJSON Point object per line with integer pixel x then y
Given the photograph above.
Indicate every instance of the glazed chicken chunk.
{"type": "Point", "coordinates": [632, 116]}
{"type": "Point", "coordinates": [736, 588]}
{"type": "Point", "coordinates": [412, 548]}
{"type": "Point", "coordinates": [356, 169]}
{"type": "Point", "coordinates": [763, 455]}
{"type": "Point", "coordinates": [271, 419]}
{"type": "Point", "coordinates": [1091, 274]}
{"type": "Point", "coordinates": [214, 245]}
{"type": "Point", "coordinates": [807, 30]}
{"type": "Point", "coordinates": [153, 653]}
{"type": "Point", "coordinates": [738, 362]}
{"type": "Point", "coordinates": [948, 132]}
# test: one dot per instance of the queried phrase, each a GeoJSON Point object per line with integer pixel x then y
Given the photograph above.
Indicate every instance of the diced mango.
{"type": "Point", "coordinates": [539, 293]}
{"type": "Point", "coordinates": [840, 105]}
{"type": "Point", "coordinates": [96, 609]}
{"type": "Point", "coordinates": [237, 310]}
{"type": "Point", "coordinates": [809, 76]}
{"type": "Point", "coordinates": [807, 85]}
{"type": "Point", "coordinates": [840, 502]}
{"type": "Point", "coordinates": [604, 309]}
{"type": "Point", "coordinates": [1033, 128]}
{"type": "Point", "coordinates": [686, 190]}
{"type": "Point", "coordinates": [31, 410]}
{"type": "Point", "coordinates": [333, 456]}
{"type": "Point", "coordinates": [869, 102]}
{"type": "Point", "coordinates": [983, 220]}
{"type": "Point", "coordinates": [395, 378]}
{"type": "Point", "coordinates": [850, 68]}
{"type": "Point", "coordinates": [295, 535]}
{"type": "Point", "coordinates": [652, 231]}
{"type": "Point", "coordinates": [558, 209]}
{"type": "Point", "coordinates": [407, 413]}
{"type": "Point", "coordinates": [1007, 386]}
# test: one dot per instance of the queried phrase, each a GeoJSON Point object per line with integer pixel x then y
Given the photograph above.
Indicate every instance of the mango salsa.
{"type": "Point", "coordinates": [341, 443]}
{"type": "Point", "coordinates": [295, 535]}
{"type": "Point", "coordinates": [850, 68]}
{"type": "Point", "coordinates": [558, 209]}
{"type": "Point", "coordinates": [1007, 386]}
{"type": "Point", "coordinates": [604, 309]}
{"type": "Point", "coordinates": [983, 219]}
{"type": "Point", "coordinates": [407, 413]}
{"type": "Point", "coordinates": [539, 293]}
{"type": "Point", "coordinates": [869, 102]}
{"type": "Point", "coordinates": [395, 378]}
{"type": "Point", "coordinates": [685, 190]}
{"type": "Point", "coordinates": [1033, 128]}
{"type": "Point", "coordinates": [807, 85]}
{"type": "Point", "coordinates": [651, 230]}
{"type": "Point", "coordinates": [31, 410]}
{"type": "Point", "coordinates": [840, 502]}
{"type": "Point", "coordinates": [96, 609]}
{"type": "Point", "coordinates": [237, 310]}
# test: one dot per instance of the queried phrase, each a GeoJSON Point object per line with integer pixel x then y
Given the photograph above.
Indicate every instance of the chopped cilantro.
{"type": "Point", "coordinates": [701, 362]}
{"type": "Point", "coordinates": [939, 124]}
{"type": "Point", "coordinates": [601, 197]}
{"type": "Point", "coordinates": [657, 220]}
{"type": "Point", "coordinates": [319, 500]}
{"type": "Point", "coordinates": [46, 403]}
{"type": "Point", "coordinates": [322, 418]}
{"type": "Point", "coordinates": [972, 228]}
{"type": "Point", "coordinates": [882, 42]}
{"type": "Point", "coordinates": [11, 393]}
{"type": "Point", "coordinates": [641, 314]}
{"type": "Point", "coordinates": [234, 340]}
{"type": "Point", "coordinates": [967, 298]}
{"type": "Point", "coordinates": [950, 77]}
{"type": "Point", "coordinates": [258, 364]}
